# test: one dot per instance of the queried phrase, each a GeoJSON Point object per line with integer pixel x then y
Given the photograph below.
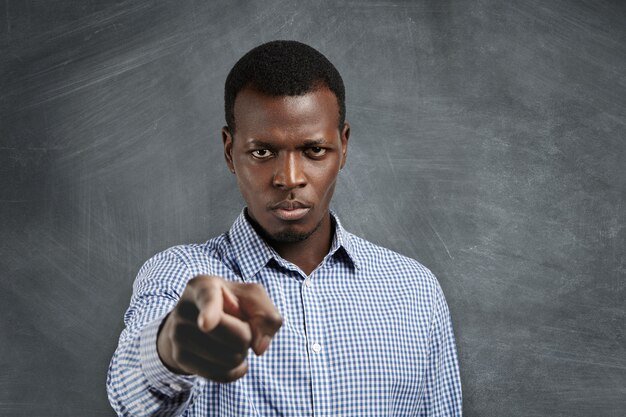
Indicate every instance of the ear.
{"type": "Point", "coordinates": [345, 135]}
{"type": "Point", "coordinates": [227, 139]}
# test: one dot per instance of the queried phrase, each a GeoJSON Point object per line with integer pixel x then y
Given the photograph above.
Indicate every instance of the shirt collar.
{"type": "Point", "coordinates": [253, 253]}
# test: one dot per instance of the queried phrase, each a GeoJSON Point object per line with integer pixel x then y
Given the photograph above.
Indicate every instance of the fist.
{"type": "Point", "coordinates": [213, 325]}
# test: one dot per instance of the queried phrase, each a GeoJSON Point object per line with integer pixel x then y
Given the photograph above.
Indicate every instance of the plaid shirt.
{"type": "Point", "coordinates": [368, 332]}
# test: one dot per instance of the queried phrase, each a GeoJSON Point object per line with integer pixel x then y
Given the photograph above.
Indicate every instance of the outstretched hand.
{"type": "Point", "coordinates": [214, 324]}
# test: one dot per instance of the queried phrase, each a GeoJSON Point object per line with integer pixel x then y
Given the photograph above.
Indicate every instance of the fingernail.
{"type": "Point", "coordinates": [262, 344]}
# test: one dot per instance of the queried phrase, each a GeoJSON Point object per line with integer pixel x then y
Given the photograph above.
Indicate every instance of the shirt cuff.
{"type": "Point", "coordinates": [158, 376]}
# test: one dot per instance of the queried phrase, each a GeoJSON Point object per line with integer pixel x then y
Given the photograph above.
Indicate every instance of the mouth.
{"type": "Point", "coordinates": [291, 210]}
{"type": "Point", "coordinates": [291, 214]}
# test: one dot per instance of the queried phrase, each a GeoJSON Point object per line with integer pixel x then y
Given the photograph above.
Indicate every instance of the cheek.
{"type": "Point", "coordinates": [251, 182]}
{"type": "Point", "coordinates": [324, 180]}
{"type": "Point", "coordinates": [331, 189]}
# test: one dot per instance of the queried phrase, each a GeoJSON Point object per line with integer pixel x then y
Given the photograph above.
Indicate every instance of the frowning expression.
{"type": "Point", "coordinates": [286, 149]}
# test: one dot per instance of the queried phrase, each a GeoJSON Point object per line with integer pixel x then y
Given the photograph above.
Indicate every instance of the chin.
{"type": "Point", "coordinates": [283, 232]}
{"type": "Point", "coordinates": [291, 236]}
{"type": "Point", "coordinates": [294, 233]}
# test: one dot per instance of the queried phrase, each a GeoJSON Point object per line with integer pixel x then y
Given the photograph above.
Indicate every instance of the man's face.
{"type": "Point", "coordinates": [286, 149]}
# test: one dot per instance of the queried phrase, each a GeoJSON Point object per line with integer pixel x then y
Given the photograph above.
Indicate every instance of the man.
{"type": "Point", "coordinates": [337, 325]}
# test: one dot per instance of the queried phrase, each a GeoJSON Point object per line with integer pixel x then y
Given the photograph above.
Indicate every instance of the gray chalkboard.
{"type": "Point", "coordinates": [487, 143]}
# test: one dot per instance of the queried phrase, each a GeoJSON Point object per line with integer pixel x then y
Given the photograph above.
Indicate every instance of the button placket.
{"type": "Point", "coordinates": [315, 322]}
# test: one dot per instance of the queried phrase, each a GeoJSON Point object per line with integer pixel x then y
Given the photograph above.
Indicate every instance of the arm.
{"type": "Point", "coordinates": [138, 383]}
{"type": "Point", "coordinates": [442, 392]}
{"type": "Point", "coordinates": [183, 333]}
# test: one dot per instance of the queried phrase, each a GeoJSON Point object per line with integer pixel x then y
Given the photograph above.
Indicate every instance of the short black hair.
{"type": "Point", "coordinates": [283, 68]}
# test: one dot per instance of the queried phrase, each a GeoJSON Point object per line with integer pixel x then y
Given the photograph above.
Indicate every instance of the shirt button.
{"type": "Point", "coordinates": [317, 347]}
{"type": "Point", "coordinates": [307, 282]}
{"type": "Point", "coordinates": [176, 387]}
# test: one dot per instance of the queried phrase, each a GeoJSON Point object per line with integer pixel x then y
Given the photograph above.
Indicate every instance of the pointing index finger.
{"type": "Point", "coordinates": [207, 296]}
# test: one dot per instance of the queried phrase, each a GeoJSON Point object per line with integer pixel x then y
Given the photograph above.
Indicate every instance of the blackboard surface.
{"type": "Point", "coordinates": [487, 142]}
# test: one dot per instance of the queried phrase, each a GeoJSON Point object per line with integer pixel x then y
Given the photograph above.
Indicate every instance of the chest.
{"type": "Point", "coordinates": [346, 345]}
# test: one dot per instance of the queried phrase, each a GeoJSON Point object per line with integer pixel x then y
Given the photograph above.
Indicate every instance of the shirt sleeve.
{"type": "Point", "coordinates": [138, 383]}
{"type": "Point", "coordinates": [442, 392]}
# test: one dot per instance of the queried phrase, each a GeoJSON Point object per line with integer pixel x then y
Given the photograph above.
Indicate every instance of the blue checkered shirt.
{"type": "Point", "coordinates": [367, 333]}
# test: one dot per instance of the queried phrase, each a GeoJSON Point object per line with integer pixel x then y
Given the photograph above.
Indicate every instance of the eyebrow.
{"type": "Point", "coordinates": [308, 142]}
{"type": "Point", "coordinates": [315, 142]}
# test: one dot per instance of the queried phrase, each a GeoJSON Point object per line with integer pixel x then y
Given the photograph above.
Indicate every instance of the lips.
{"type": "Point", "coordinates": [290, 205]}
{"type": "Point", "coordinates": [291, 210]}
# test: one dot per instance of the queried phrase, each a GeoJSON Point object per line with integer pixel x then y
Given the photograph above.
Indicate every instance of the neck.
{"type": "Point", "coordinates": [309, 253]}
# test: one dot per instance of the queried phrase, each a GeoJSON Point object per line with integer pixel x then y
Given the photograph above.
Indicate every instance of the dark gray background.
{"type": "Point", "coordinates": [487, 143]}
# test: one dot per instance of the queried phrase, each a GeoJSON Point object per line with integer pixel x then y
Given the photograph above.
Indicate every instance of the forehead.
{"type": "Point", "coordinates": [260, 114]}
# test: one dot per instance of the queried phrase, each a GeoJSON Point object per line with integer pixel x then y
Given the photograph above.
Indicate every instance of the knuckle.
{"type": "Point", "coordinates": [237, 359]}
{"type": "Point", "coordinates": [233, 374]}
{"type": "Point", "coordinates": [178, 355]}
{"type": "Point", "coordinates": [198, 278]}
{"type": "Point", "coordinates": [178, 334]}
{"type": "Point", "coordinates": [240, 371]}
{"type": "Point", "coordinates": [201, 292]}
{"type": "Point", "coordinates": [193, 282]}
{"type": "Point", "coordinates": [274, 320]}
{"type": "Point", "coordinates": [246, 340]}
{"type": "Point", "coordinates": [269, 321]}
{"type": "Point", "coordinates": [201, 280]}
{"type": "Point", "coordinates": [185, 359]}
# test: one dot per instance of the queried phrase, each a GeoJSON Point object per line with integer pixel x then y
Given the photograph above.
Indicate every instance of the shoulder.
{"type": "Point", "coordinates": [381, 260]}
{"type": "Point", "coordinates": [195, 258]}
{"type": "Point", "coordinates": [170, 269]}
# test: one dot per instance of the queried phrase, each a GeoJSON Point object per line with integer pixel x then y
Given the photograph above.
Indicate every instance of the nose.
{"type": "Point", "coordinates": [289, 173]}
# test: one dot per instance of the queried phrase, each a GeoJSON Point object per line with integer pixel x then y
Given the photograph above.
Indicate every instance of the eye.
{"type": "Point", "coordinates": [317, 151]}
{"type": "Point", "coordinates": [261, 153]}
